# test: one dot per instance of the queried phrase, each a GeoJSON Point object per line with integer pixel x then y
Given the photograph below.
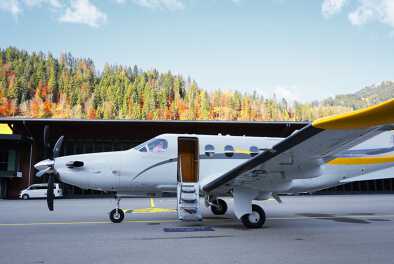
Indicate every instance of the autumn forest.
{"type": "Point", "coordinates": [40, 85]}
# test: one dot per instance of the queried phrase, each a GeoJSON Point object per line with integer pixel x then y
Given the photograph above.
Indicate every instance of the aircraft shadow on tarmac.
{"type": "Point", "coordinates": [345, 219]}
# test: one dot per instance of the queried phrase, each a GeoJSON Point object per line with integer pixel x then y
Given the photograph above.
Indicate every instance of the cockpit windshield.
{"type": "Point", "coordinates": [155, 145]}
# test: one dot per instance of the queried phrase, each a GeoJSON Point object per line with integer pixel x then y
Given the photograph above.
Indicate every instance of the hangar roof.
{"type": "Point", "coordinates": [66, 120]}
{"type": "Point", "coordinates": [150, 128]}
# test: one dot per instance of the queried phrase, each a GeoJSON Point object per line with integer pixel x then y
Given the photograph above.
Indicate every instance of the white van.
{"type": "Point", "coordinates": [40, 191]}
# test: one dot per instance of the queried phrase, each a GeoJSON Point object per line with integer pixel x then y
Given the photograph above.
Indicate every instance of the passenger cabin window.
{"type": "Point", "coordinates": [229, 151]}
{"type": "Point", "coordinates": [158, 145]}
{"type": "Point", "coordinates": [209, 150]}
{"type": "Point", "coordinates": [253, 151]}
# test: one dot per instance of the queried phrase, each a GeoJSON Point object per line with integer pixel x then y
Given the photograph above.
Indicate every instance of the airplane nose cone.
{"type": "Point", "coordinates": [43, 164]}
{"type": "Point", "coordinates": [76, 176]}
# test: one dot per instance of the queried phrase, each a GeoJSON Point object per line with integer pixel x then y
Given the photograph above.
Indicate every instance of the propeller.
{"type": "Point", "coordinates": [47, 167]}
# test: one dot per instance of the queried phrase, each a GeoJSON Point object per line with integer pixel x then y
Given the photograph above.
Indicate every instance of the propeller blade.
{"type": "Point", "coordinates": [57, 147]}
{"type": "Point", "coordinates": [47, 147]}
{"type": "Point", "coordinates": [50, 194]}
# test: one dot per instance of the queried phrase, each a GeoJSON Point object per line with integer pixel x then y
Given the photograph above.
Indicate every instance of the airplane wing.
{"type": "Point", "coordinates": [300, 155]}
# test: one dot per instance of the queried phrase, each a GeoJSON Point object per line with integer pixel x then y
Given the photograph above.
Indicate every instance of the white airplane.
{"type": "Point", "coordinates": [319, 156]}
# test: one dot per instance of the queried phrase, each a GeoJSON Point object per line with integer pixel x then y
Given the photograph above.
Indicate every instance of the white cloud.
{"type": "Point", "coordinates": [373, 10]}
{"type": "Point", "coordinates": [83, 12]}
{"type": "Point", "coordinates": [11, 6]}
{"type": "Point", "coordinates": [51, 3]}
{"type": "Point", "coordinates": [161, 4]}
{"type": "Point", "coordinates": [361, 15]}
{"type": "Point", "coordinates": [332, 7]}
{"type": "Point", "coordinates": [286, 93]}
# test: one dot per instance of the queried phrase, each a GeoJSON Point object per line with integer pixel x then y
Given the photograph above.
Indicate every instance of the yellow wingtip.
{"type": "Point", "coordinates": [375, 115]}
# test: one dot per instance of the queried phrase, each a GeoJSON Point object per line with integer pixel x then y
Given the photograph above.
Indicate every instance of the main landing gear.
{"type": "Point", "coordinates": [117, 214]}
{"type": "Point", "coordinates": [256, 219]}
{"type": "Point", "coordinates": [218, 207]}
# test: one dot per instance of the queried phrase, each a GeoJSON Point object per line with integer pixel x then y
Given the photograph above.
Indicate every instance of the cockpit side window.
{"type": "Point", "coordinates": [158, 145]}
{"type": "Point", "coordinates": [143, 149]}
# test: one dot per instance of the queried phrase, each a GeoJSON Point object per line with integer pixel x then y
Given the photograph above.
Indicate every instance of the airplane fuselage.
{"type": "Point", "coordinates": [150, 168]}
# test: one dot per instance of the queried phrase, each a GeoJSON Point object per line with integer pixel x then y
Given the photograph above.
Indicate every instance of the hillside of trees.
{"type": "Point", "coordinates": [368, 96]}
{"type": "Point", "coordinates": [39, 85]}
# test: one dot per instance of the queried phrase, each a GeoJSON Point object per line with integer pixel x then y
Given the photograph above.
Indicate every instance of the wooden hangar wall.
{"type": "Point", "coordinates": [86, 136]}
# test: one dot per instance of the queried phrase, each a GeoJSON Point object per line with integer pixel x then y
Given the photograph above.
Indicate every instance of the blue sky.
{"type": "Point", "coordinates": [299, 49]}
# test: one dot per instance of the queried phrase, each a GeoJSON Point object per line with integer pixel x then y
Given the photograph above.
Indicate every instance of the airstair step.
{"type": "Point", "coordinates": [189, 195]}
{"type": "Point", "coordinates": [189, 200]}
{"type": "Point", "coordinates": [191, 210]}
{"type": "Point", "coordinates": [188, 189]}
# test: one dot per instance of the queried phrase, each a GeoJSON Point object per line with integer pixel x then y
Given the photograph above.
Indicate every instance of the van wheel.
{"type": "Point", "coordinates": [25, 197]}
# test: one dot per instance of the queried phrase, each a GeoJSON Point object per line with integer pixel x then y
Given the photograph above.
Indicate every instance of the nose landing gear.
{"type": "Point", "coordinates": [117, 214]}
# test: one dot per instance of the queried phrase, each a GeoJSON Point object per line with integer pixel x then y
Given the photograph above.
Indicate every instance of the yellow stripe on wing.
{"type": "Point", "coordinates": [362, 160]}
{"type": "Point", "coordinates": [376, 115]}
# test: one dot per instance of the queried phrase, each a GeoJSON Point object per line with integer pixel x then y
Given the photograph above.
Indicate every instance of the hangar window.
{"type": "Point", "coordinates": [8, 160]}
{"type": "Point", "coordinates": [3, 160]}
{"type": "Point", "coordinates": [253, 151]}
{"type": "Point", "coordinates": [209, 150]}
{"type": "Point", "coordinates": [158, 145]}
{"type": "Point", "coordinates": [229, 151]}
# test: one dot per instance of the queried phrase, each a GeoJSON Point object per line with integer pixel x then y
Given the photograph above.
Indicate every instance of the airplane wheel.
{"type": "Point", "coordinates": [116, 215]}
{"type": "Point", "coordinates": [220, 208]}
{"type": "Point", "coordinates": [256, 219]}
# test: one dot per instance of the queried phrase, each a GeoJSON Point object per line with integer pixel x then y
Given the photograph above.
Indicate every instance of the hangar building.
{"type": "Point", "coordinates": [21, 145]}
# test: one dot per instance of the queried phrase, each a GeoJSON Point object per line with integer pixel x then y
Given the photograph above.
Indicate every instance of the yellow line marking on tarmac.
{"type": "Point", "coordinates": [83, 222]}
{"type": "Point", "coordinates": [152, 221]}
{"type": "Point", "coordinates": [206, 220]}
{"type": "Point", "coordinates": [151, 210]}
{"type": "Point", "coordinates": [55, 223]}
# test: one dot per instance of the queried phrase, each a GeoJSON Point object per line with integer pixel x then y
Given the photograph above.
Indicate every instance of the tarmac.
{"type": "Point", "coordinates": [303, 229]}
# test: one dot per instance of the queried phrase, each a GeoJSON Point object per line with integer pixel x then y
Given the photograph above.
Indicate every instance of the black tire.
{"type": "Point", "coordinates": [253, 220]}
{"type": "Point", "coordinates": [220, 208]}
{"type": "Point", "coordinates": [116, 216]}
{"type": "Point", "coordinates": [25, 197]}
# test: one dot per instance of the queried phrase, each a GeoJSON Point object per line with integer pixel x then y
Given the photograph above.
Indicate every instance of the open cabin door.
{"type": "Point", "coordinates": [188, 159]}
{"type": "Point", "coordinates": [188, 205]}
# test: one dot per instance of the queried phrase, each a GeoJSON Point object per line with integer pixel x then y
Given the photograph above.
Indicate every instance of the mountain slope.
{"type": "Point", "coordinates": [369, 95]}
